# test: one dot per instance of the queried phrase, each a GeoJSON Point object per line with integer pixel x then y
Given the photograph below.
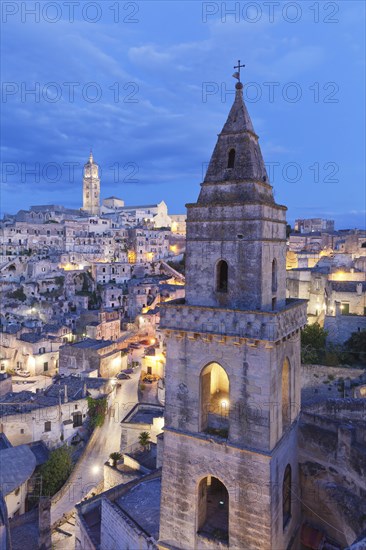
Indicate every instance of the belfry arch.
{"type": "Point", "coordinates": [213, 509]}
{"type": "Point", "coordinates": [214, 399]}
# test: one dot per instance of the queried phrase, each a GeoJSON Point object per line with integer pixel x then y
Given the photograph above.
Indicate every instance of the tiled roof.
{"type": "Point", "coordinates": [17, 465]}
{"type": "Point", "coordinates": [347, 286]}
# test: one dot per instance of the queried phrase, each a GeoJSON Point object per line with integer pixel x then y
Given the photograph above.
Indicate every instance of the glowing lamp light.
{"type": "Point", "coordinates": [224, 403]}
{"type": "Point", "coordinates": [95, 469]}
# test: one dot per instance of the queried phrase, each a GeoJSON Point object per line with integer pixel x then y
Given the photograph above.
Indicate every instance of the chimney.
{"type": "Point", "coordinates": [44, 524]}
{"type": "Point", "coordinates": [66, 399]}
{"type": "Point", "coordinates": [84, 389]}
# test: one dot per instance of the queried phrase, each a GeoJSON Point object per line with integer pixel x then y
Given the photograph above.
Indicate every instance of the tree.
{"type": "Point", "coordinates": [115, 457]}
{"type": "Point", "coordinates": [144, 440]}
{"type": "Point", "coordinates": [313, 338]}
{"type": "Point", "coordinates": [55, 471]}
{"type": "Point", "coordinates": [355, 347]}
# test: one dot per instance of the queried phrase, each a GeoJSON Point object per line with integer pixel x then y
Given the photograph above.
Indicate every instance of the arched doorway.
{"type": "Point", "coordinates": [215, 391]}
{"type": "Point", "coordinates": [213, 509]}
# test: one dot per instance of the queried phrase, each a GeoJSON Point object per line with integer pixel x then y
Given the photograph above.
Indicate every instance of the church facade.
{"type": "Point", "coordinates": [230, 466]}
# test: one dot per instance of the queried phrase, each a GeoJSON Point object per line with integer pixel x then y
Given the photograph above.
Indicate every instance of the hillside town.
{"type": "Point", "coordinates": [120, 357]}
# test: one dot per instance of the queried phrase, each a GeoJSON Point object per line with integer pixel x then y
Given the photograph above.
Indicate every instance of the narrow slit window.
{"type": "Point", "coordinates": [286, 496]}
{"type": "Point", "coordinates": [222, 276]}
{"type": "Point", "coordinates": [231, 159]}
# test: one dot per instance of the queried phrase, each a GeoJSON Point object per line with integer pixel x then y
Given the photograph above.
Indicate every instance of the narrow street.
{"type": "Point", "coordinates": [89, 470]}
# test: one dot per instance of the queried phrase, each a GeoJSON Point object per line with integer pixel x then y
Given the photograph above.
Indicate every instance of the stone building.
{"type": "Point", "coordinates": [34, 352]}
{"type": "Point", "coordinates": [92, 358]}
{"type": "Point", "coordinates": [107, 327]}
{"type": "Point", "coordinates": [91, 187]}
{"type": "Point", "coordinates": [53, 415]}
{"type": "Point", "coordinates": [17, 466]}
{"type": "Point", "coordinates": [313, 224]}
{"type": "Point", "coordinates": [233, 360]}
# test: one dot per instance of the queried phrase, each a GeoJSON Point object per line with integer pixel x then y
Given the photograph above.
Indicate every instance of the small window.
{"type": "Point", "coordinates": [47, 426]}
{"type": "Point", "coordinates": [222, 276]}
{"type": "Point", "coordinates": [274, 303]}
{"type": "Point", "coordinates": [22, 430]}
{"type": "Point", "coordinates": [231, 159]}
{"type": "Point", "coordinates": [274, 275]}
{"type": "Point", "coordinates": [45, 366]}
{"type": "Point", "coordinates": [77, 420]}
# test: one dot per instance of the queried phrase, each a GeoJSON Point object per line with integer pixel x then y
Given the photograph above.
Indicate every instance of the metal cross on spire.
{"type": "Point", "coordinates": [237, 73]}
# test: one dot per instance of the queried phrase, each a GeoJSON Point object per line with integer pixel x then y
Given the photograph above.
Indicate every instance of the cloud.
{"type": "Point", "coordinates": [149, 56]}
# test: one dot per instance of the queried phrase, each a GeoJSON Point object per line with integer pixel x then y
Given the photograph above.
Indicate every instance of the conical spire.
{"type": "Point", "coordinates": [236, 172]}
{"type": "Point", "coordinates": [238, 120]}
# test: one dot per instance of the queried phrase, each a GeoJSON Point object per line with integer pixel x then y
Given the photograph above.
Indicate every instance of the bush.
{"type": "Point", "coordinates": [18, 294]}
{"type": "Point", "coordinates": [355, 347]}
{"type": "Point", "coordinates": [55, 471]}
{"type": "Point", "coordinates": [313, 339]}
{"type": "Point", "coordinates": [97, 409]}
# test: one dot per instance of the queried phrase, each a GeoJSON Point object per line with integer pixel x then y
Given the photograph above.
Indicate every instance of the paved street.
{"type": "Point", "coordinates": [89, 470]}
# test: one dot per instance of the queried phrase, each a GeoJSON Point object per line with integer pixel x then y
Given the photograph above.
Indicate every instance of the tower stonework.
{"type": "Point", "coordinates": [230, 464]}
{"type": "Point", "coordinates": [91, 187]}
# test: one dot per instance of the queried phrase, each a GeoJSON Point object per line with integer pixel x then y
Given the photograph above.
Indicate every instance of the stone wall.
{"type": "Point", "coordinates": [319, 382]}
{"type": "Point", "coordinates": [241, 324]}
{"type": "Point", "coordinates": [253, 481]}
{"type": "Point", "coordinates": [5, 384]}
{"type": "Point", "coordinates": [248, 237]}
{"type": "Point", "coordinates": [110, 528]}
{"type": "Point", "coordinates": [254, 372]}
{"type": "Point", "coordinates": [332, 457]}
{"type": "Point", "coordinates": [24, 427]}
{"type": "Point", "coordinates": [118, 530]}
{"type": "Point", "coordinates": [113, 476]}
{"type": "Point", "coordinates": [340, 327]}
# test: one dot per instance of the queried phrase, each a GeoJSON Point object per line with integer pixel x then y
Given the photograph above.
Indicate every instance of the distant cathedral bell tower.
{"type": "Point", "coordinates": [91, 187]}
{"type": "Point", "coordinates": [230, 467]}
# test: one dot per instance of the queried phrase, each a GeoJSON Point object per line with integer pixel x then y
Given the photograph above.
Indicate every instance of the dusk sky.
{"type": "Point", "coordinates": [148, 85]}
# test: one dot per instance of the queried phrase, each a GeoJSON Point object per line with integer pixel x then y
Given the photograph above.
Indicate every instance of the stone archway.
{"type": "Point", "coordinates": [215, 394]}
{"type": "Point", "coordinates": [213, 509]}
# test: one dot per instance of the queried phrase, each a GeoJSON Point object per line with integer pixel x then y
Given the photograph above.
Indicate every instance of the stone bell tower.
{"type": "Point", "coordinates": [230, 475]}
{"type": "Point", "coordinates": [91, 187]}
